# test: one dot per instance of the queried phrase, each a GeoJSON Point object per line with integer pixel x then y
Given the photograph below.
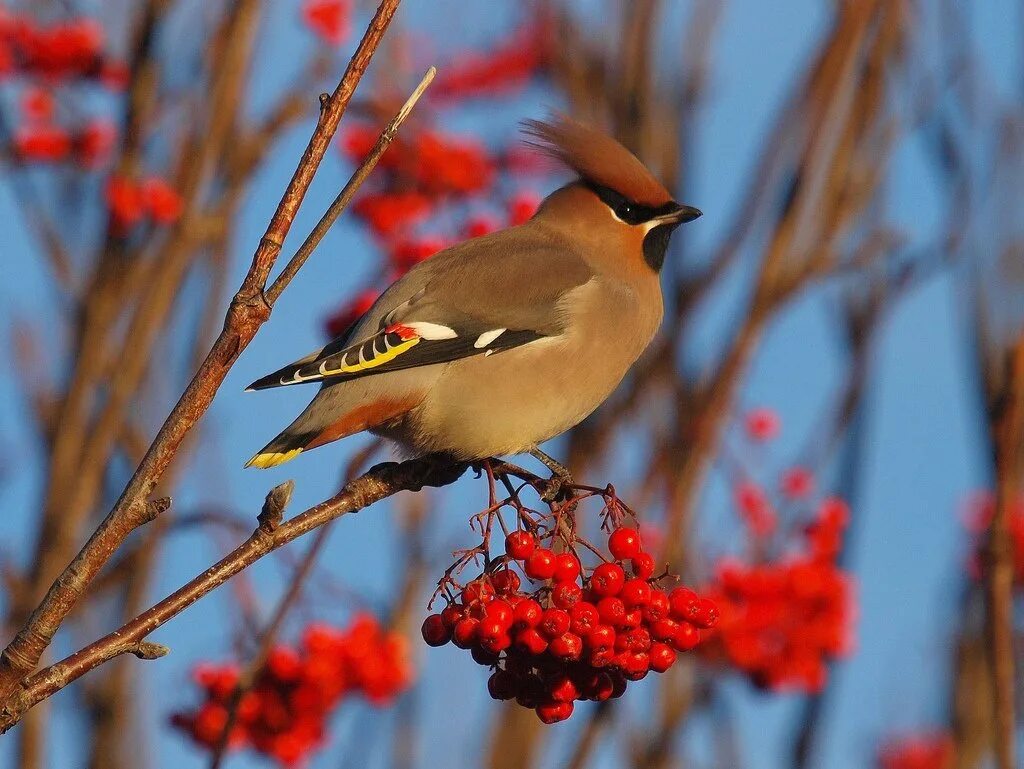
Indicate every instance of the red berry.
{"type": "Point", "coordinates": [624, 543]}
{"type": "Point", "coordinates": [643, 565]}
{"type": "Point", "coordinates": [658, 607]}
{"type": "Point", "coordinates": [601, 637]}
{"type": "Point", "coordinates": [566, 594]}
{"type": "Point", "coordinates": [634, 665]}
{"type": "Point", "coordinates": [683, 603]}
{"type": "Point", "coordinates": [707, 613]}
{"type": "Point", "coordinates": [478, 590]}
{"type": "Point", "coordinates": [554, 623]}
{"type": "Point", "coordinates": [540, 564]}
{"type": "Point", "coordinates": [635, 592]}
{"type": "Point", "coordinates": [531, 692]}
{"type": "Point", "coordinates": [562, 689]}
{"type": "Point", "coordinates": [664, 630]}
{"type": "Point", "coordinates": [618, 684]}
{"type": "Point", "coordinates": [452, 614]}
{"type": "Point", "coordinates": [552, 713]}
{"type": "Point", "coordinates": [599, 658]}
{"type": "Point", "coordinates": [597, 686]}
{"type": "Point", "coordinates": [611, 610]}
{"type": "Point", "coordinates": [632, 618]}
{"type": "Point", "coordinates": [465, 632]}
{"type": "Point", "coordinates": [489, 628]}
{"type": "Point", "coordinates": [502, 685]}
{"type": "Point", "coordinates": [494, 642]}
{"type": "Point", "coordinates": [662, 657]}
{"type": "Point", "coordinates": [530, 641]}
{"type": "Point", "coordinates": [527, 614]}
{"type": "Point", "coordinates": [762, 424]}
{"type": "Point", "coordinates": [505, 581]}
{"type": "Point", "coordinates": [434, 631]}
{"type": "Point", "coordinates": [607, 579]}
{"type": "Point", "coordinates": [686, 638]}
{"type": "Point", "coordinates": [567, 646]}
{"type": "Point", "coordinates": [583, 617]}
{"type": "Point", "coordinates": [567, 567]}
{"type": "Point", "coordinates": [519, 544]}
{"type": "Point", "coordinates": [501, 612]}
{"type": "Point", "coordinates": [483, 657]}
{"type": "Point", "coordinates": [636, 640]}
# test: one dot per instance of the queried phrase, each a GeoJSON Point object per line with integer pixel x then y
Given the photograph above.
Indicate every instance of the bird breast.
{"type": "Point", "coordinates": [509, 402]}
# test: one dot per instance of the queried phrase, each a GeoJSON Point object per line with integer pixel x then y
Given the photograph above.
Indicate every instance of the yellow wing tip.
{"type": "Point", "coordinates": [272, 459]}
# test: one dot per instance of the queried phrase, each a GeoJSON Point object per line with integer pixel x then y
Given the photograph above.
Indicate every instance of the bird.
{"type": "Point", "coordinates": [493, 346]}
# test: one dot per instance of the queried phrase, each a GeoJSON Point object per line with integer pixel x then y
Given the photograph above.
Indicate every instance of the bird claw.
{"type": "Point", "coordinates": [558, 488]}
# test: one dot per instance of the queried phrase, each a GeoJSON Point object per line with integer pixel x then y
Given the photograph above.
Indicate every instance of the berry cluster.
{"type": "Point", "coordinates": [329, 20]}
{"type": "Point", "coordinates": [62, 50]}
{"type": "Point", "coordinates": [284, 714]}
{"type": "Point", "coordinates": [920, 751]}
{"type": "Point", "coordinates": [131, 201]}
{"type": "Point", "coordinates": [782, 621]}
{"type": "Point", "coordinates": [577, 636]}
{"type": "Point", "coordinates": [507, 67]}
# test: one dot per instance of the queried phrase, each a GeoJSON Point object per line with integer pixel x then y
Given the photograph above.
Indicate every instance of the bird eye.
{"type": "Point", "coordinates": [624, 211]}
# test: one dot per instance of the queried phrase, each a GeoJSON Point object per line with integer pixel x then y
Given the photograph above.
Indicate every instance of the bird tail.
{"type": "Point", "coordinates": [331, 415]}
{"type": "Point", "coordinates": [283, 448]}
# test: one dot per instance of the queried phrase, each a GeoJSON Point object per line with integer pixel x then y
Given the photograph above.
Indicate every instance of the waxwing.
{"type": "Point", "coordinates": [495, 345]}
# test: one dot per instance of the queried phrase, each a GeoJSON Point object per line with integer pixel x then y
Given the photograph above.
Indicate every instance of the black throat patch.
{"type": "Point", "coordinates": [656, 244]}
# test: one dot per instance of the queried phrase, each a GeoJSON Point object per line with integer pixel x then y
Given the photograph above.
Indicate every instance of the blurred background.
{"type": "Point", "coordinates": [818, 437]}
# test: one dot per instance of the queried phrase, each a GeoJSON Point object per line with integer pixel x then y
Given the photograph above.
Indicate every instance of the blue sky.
{"type": "Point", "coordinates": [925, 444]}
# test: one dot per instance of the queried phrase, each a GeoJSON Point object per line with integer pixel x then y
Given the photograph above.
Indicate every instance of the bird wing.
{"type": "Point", "coordinates": [483, 297]}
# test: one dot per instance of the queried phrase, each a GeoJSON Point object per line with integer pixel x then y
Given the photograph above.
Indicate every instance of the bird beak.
{"type": "Point", "coordinates": [684, 214]}
{"type": "Point", "coordinates": [675, 217]}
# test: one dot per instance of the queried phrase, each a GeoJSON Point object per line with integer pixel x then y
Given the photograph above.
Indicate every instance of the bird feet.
{"type": "Point", "coordinates": [559, 486]}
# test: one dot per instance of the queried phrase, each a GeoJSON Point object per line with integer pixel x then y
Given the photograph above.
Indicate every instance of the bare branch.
{"type": "Point", "coordinates": [378, 483]}
{"type": "Point", "coordinates": [248, 311]}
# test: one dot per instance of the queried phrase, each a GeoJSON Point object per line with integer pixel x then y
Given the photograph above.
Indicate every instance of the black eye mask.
{"type": "Point", "coordinates": [628, 210]}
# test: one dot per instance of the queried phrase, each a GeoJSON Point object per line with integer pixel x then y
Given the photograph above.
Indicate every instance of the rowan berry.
{"type": "Point", "coordinates": [554, 623]}
{"type": "Point", "coordinates": [567, 568]}
{"type": "Point", "coordinates": [527, 614]}
{"type": "Point", "coordinates": [435, 631]}
{"type": "Point", "coordinates": [567, 646]}
{"type": "Point", "coordinates": [540, 564]}
{"type": "Point", "coordinates": [552, 713]}
{"type": "Point", "coordinates": [624, 544]}
{"type": "Point", "coordinates": [566, 594]}
{"type": "Point", "coordinates": [505, 581]}
{"type": "Point", "coordinates": [662, 657]}
{"type": "Point", "coordinates": [611, 610]}
{"type": "Point", "coordinates": [502, 685]}
{"type": "Point", "coordinates": [635, 592]}
{"type": "Point", "coordinates": [607, 579]}
{"type": "Point", "coordinates": [643, 565]}
{"type": "Point", "coordinates": [519, 544]}
{"type": "Point", "coordinates": [465, 632]}
{"type": "Point", "coordinates": [584, 617]}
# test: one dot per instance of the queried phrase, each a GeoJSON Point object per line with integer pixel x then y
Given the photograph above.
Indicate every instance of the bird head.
{"type": "Point", "coordinates": [615, 194]}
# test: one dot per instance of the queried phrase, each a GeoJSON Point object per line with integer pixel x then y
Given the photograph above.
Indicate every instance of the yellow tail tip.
{"type": "Point", "coordinates": [272, 459]}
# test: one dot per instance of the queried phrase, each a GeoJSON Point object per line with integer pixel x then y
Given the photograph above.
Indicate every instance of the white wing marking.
{"type": "Point", "coordinates": [487, 337]}
{"type": "Point", "coordinates": [431, 331]}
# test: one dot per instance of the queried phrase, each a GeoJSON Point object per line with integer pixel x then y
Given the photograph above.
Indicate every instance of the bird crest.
{"type": "Point", "coordinates": [597, 158]}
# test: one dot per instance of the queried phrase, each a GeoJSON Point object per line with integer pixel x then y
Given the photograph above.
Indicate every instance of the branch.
{"type": "Point", "coordinates": [249, 309]}
{"type": "Point", "coordinates": [1007, 418]}
{"type": "Point", "coordinates": [380, 482]}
